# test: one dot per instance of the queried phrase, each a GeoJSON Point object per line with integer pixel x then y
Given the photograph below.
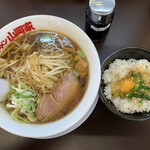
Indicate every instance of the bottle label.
{"type": "Point", "coordinates": [100, 29]}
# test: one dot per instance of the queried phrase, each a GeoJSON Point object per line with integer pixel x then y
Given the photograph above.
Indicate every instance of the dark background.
{"type": "Point", "coordinates": [102, 130]}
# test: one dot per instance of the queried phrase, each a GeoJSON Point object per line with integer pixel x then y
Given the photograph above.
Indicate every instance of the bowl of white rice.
{"type": "Point", "coordinates": [125, 86]}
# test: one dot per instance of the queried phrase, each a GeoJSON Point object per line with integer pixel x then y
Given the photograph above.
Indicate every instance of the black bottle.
{"type": "Point", "coordinates": [99, 16]}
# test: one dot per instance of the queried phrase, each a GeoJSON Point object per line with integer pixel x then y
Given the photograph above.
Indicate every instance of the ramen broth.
{"type": "Point", "coordinates": [47, 74]}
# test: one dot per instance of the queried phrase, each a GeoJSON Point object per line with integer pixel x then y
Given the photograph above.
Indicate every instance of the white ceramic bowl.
{"type": "Point", "coordinates": [86, 106]}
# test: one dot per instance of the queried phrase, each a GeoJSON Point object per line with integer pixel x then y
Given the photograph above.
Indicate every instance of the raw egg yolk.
{"type": "Point", "coordinates": [126, 85]}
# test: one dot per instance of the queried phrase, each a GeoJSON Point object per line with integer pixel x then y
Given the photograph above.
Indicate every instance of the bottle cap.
{"type": "Point", "coordinates": [101, 10]}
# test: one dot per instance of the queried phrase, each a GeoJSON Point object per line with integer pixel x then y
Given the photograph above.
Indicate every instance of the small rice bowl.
{"type": "Point", "coordinates": [118, 70]}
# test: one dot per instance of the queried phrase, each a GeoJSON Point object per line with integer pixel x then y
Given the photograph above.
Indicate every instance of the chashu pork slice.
{"type": "Point", "coordinates": [47, 108]}
{"type": "Point", "coordinates": [63, 95]}
{"type": "Point", "coordinates": [68, 90]}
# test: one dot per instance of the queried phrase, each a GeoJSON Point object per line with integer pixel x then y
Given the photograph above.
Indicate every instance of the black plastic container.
{"type": "Point", "coordinates": [99, 16]}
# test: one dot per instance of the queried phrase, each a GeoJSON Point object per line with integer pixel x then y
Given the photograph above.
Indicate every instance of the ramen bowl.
{"type": "Point", "coordinates": [124, 54]}
{"type": "Point", "coordinates": [74, 119]}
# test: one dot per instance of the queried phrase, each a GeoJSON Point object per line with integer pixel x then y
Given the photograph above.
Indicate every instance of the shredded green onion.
{"type": "Point", "coordinates": [24, 100]}
{"type": "Point", "coordinates": [140, 90]}
{"type": "Point", "coordinates": [81, 53]}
